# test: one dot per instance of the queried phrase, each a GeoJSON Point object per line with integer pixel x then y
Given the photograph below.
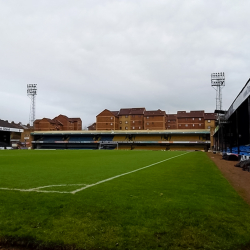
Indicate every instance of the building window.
{"type": "Point", "coordinates": [111, 123]}
{"type": "Point", "coordinates": [133, 121]}
{"type": "Point", "coordinates": [199, 124]}
{"type": "Point", "coordinates": [147, 117]}
{"type": "Point", "coordinates": [168, 120]}
{"type": "Point", "coordinates": [179, 125]}
{"type": "Point", "coordinates": [111, 118]}
{"type": "Point", "coordinates": [199, 119]}
{"type": "Point", "coordinates": [193, 119]}
{"type": "Point", "coordinates": [208, 127]}
{"type": "Point", "coordinates": [186, 125]}
{"type": "Point", "coordinates": [147, 123]}
{"type": "Point", "coordinates": [126, 122]}
{"type": "Point", "coordinates": [126, 116]}
{"type": "Point", "coordinates": [120, 122]}
{"type": "Point", "coordinates": [139, 127]}
{"type": "Point", "coordinates": [126, 127]}
{"type": "Point", "coordinates": [193, 125]}
{"type": "Point", "coordinates": [133, 127]}
{"type": "Point", "coordinates": [208, 121]}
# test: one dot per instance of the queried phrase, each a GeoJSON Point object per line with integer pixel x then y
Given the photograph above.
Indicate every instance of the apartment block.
{"type": "Point", "coordinates": [107, 120]}
{"type": "Point", "coordinates": [155, 120]}
{"type": "Point", "coordinates": [131, 119]}
{"type": "Point", "coordinates": [61, 122]}
{"type": "Point", "coordinates": [171, 121]}
{"type": "Point", "coordinates": [141, 119]}
{"type": "Point", "coordinates": [190, 120]}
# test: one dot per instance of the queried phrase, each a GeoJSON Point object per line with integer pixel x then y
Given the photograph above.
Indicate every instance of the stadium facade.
{"type": "Point", "coordinates": [232, 135]}
{"type": "Point", "coordinates": [14, 135]}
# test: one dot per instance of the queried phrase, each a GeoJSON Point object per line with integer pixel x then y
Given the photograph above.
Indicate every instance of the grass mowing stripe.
{"type": "Point", "coordinates": [117, 176]}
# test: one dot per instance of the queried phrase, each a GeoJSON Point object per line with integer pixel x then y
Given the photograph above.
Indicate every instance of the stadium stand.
{"type": "Point", "coordinates": [127, 140]}
{"type": "Point", "coordinates": [106, 138]}
{"type": "Point", "coordinates": [119, 138]}
{"type": "Point", "coordinates": [80, 138]}
{"type": "Point", "coordinates": [52, 139]}
{"type": "Point", "coordinates": [148, 138]}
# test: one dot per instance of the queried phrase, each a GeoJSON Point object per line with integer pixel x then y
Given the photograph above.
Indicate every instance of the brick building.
{"type": "Point", "coordinates": [141, 119]}
{"type": "Point", "coordinates": [61, 122]}
{"type": "Point", "coordinates": [171, 121]}
{"type": "Point", "coordinates": [131, 119]}
{"type": "Point", "coordinates": [107, 120]}
{"type": "Point", "coordinates": [191, 120]}
{"type": "Point", "coordinates": [155, 120]}
{"type": "Point", "coordinates": [92, 126]}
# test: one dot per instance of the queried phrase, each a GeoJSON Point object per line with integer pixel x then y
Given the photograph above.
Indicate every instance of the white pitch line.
{"type": "Point", "coordinates": [61, 185]}
{"type": "Point", "coordinates": [86, 186]}
{"type": "Point", "coordinates": [117, 176]}
{"type": "Point", "coordinates": [34, 190]}
{"type": "Point", "coordinates": [44, 191]}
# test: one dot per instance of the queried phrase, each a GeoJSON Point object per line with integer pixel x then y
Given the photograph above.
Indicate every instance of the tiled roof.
{"type": "Point", "coordinates": [124, 111]}
{"type": "Point", "coordinates": [137, 111]}
{"type": "Point", "coordinates": [210, 116]}
{"type": "Point", "coordinates": [104, 111]}
{"type": "Point", "coordinates": [171, 116]}
{"type": "Point", "coordinates": [92, 126]}
{"type": "Point", "coordinates": [6, 124]}
{"type": "Point", "coordinates": [132, 111]}
{"type": "Point", "coordinates": [155, 112]}
{"type": "Point", "coordinates": [115, 113]}
{"type": "Point", "coordinates": [75, 119]}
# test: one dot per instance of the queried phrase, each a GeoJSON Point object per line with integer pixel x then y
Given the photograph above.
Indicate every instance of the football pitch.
{"type": "Point", "coordinates": [94, 199]}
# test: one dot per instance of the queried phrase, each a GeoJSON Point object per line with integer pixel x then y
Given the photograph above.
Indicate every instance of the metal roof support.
{"type": "Point", "coordinates": [248, 106]}
{"type": "Point", "coordinates": [237, 131]}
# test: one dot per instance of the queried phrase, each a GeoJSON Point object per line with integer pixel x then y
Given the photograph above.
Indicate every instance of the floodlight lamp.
{"type": "Point", "coordinates": [31, 89]}
{"type": "Point", "coordinates": [218, 79]}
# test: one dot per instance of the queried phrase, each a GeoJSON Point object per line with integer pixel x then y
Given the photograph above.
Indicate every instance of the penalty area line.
{"type": "Point", "coordinates": [117, 176]}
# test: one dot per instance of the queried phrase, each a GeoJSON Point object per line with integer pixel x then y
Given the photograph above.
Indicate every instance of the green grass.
{"type": "Point", "coordinates": [183, 203]}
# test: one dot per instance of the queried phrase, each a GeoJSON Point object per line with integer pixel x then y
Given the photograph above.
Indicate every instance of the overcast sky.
{"type": "Point", "coordinates": [89, 55]}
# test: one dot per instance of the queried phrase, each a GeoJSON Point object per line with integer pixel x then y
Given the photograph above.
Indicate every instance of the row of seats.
{"type": "Point", "coordinates": [243, 150]}
{"type": "Point", "coordinates": [121, 138]}
{"type": "Point", "coordinates": [76, 138]}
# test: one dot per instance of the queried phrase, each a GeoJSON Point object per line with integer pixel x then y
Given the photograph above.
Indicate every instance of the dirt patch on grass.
{"type": "Point", "coordinates": [238, 178]}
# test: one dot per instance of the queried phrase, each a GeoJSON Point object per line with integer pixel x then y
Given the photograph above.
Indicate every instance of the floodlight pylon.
{"type": "Point", "coordinates": [31, 93]}
{"type": "Point", "coordinates": [218, 82]}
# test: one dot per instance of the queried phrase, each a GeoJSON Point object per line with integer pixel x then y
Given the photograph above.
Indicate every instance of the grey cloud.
{"type": "Point", "coordinates": [86, 56]}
